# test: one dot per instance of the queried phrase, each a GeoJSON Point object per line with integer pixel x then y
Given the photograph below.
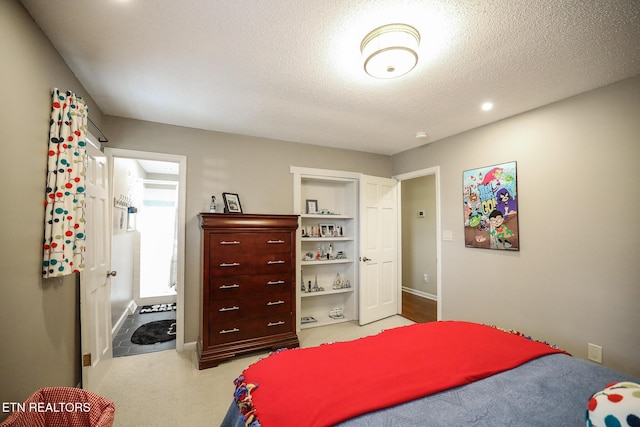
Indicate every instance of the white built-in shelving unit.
{"type": "Point", "coordinates": [327, 245]}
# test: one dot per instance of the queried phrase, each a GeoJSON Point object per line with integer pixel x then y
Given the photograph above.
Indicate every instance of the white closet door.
{"type": "Point", "coordinates": [378, 248]}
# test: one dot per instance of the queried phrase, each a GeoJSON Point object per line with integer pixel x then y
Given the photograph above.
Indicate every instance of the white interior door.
{"type": "Point", "coordinates": [378, 248]}
{"type": "Point", "coordinates": [95, 286]}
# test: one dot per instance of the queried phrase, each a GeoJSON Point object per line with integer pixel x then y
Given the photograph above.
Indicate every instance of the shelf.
{"type": "Point", "coordinates": [327, 261]}
{"type": "Point", "coordinates": [324, 321]}
{"type": "Point", "coordinates": [329, 292]}
{"type": "Point", "coordinates": [325, 216]}
{"type": "Point", "coordinates": [326, 239]}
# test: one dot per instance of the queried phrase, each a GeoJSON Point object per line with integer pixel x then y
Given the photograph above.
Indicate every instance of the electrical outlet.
{"type": "Point", "coordinates": [426, 278]}
{"type": "Point", "coordinates": [594, 352]}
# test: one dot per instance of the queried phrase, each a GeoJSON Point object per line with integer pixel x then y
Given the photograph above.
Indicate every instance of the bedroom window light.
{"type": "Point", "coordinates": [390, 51]}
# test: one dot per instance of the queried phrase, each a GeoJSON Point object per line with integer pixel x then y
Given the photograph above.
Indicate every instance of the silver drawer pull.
{"type": "Point", "coordinates": [275, 282]}
{"type": "Point", "coordinates": [235, 285]}
{"type": "Point", "coordinates": [229, 264]}
{"type": "Point", "coordinates": [226, 242]}
{"type": "Point", "coordinates": [235, 307]}
{"type": "Point", "coordinates": [276, 262]}
{"type": "Point", "coordinates": [276, 323]}
{"type": "Point", "coordinates": [228, 331]}
{"type": "Point", "coordinates": [275, 302]}
{"type": "Point", "coordinates": [274, 242]}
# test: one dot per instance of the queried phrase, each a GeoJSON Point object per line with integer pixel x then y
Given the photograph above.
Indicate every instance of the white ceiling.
{"type": "Point", "coordinates": [291, 69]}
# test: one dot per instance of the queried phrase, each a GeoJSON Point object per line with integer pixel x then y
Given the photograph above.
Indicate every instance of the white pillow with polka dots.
{"type": "Point", "coordinates": [618, 405]}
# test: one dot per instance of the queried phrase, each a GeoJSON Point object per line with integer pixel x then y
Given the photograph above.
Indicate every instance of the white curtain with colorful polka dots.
{"type": "Point", "coordinates": [64, 226]}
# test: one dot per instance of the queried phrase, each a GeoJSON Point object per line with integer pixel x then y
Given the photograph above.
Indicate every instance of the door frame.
{"type": "Point", "coordinates": [182, 181]}
{"type": "Point", "coordinates": [435, 170]}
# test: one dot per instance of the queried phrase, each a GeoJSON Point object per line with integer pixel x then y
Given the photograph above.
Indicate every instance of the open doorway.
{"type": "Point", "coordinates": [420, 247]}
{"type": "Point", "coordinates": [148, 225]}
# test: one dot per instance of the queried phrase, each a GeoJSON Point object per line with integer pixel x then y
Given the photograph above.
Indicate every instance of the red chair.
{"type": "Point", "coordinates": [62, 407]}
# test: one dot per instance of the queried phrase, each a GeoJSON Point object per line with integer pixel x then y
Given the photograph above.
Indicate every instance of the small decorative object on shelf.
{"type": "Point", "coordinates": [327, 212]}
{"type": "Point", "coordinates": [337, 313]}
{"type": "Point", "coordinates": [321, 230]}
{"type": "Point", "coordinates": [212, 205]}
{"type": "Point", "coordinates": [340, 283]}
{"type": "Point", "coordinates": [317, 288]}
{"type": "Point", "coordinates": [309, 288]}
{"type": "Point", "coordinates": [312, 206]}
{"type": "Point", "coordinates": [340, 255]}
{"type": "Point", "coordinates": [307, 319]}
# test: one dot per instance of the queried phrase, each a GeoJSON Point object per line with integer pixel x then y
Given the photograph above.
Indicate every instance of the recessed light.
{"type": "Point", "coordinates": [422, 135]}
{"type": "Point", "coordinates": [487, 106]}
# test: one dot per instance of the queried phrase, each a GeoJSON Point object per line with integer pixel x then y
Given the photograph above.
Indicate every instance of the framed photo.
{"type": "Point", "coordinates": [232, 203]}
{"type": "Point", "coordinates": [490, 203]}
{"type": "Point", "coordinates": [327, 230]}
{"type": "Point", "coordinates": [312, 206]}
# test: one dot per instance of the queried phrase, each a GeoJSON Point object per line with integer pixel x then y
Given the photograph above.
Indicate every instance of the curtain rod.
{"type": "Point", "coordinates": [102, 139]}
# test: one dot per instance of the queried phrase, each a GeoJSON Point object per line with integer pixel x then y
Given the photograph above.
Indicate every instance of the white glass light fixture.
{"type": "Point", "coordinates": [390, 50]}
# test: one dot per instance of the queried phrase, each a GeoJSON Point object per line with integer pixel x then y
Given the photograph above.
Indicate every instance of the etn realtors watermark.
{"type": "Point", "coordinates": [8, 407]}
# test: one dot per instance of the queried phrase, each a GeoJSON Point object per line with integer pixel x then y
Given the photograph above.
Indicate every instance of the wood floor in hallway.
{"type": "Point", "coordinates": [419, 309]}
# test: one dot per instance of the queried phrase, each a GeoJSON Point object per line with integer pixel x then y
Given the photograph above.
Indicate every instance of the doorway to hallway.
{"type": "Point", "coordinates": [420, 247]}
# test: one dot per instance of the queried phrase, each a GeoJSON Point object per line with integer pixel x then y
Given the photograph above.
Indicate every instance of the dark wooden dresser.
{"type": "Point", "coordinates": [248, 285]}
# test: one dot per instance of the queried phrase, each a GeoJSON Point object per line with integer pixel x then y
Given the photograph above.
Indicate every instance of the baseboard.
{"type": "Point", "coordinates": [420, 293]}
{"type": "Point", "coordinates": [190, 346]}
{"type": "Point", "coordinates": [131, 308]}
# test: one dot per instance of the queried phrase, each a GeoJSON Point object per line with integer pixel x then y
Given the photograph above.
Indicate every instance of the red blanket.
{"type": "Point", "coordinates": [322, 386]}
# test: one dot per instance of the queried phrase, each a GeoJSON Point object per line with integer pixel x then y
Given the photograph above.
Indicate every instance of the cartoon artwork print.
{"type": "Point", "coordinates": [491, 207]}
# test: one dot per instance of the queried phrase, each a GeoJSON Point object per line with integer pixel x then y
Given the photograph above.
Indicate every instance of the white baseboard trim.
{"type": "Point", "coordinates": [190, 346]}
{"type": "Point", "coordinates": [131, 308]}
{"type": "Point", "coordinates": [420, 293]}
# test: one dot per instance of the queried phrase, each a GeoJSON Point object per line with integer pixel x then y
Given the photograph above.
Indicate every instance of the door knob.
{"type": "Point", "coordinates": [365, 259]}
{"type": "Point", "coordinates": [112, 273]}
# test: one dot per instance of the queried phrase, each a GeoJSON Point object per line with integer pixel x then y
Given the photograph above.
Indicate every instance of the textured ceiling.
{"type": "Point", "coordinates": [291, 69]}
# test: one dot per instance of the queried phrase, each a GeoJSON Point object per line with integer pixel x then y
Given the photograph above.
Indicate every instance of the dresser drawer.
{"type": "Point", "coordinates": [265, 305]}
{"type": "Point", "coordinates": [244, 243]}
{"type": "Point", "coordinates": [221, 332]}
{"type": "Point", "coordinates": [222, 264]}
{"type": "Point", "coordinates": [235, 287]}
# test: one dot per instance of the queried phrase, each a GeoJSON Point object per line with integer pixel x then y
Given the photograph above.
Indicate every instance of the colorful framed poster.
{"type": "Point", "coordinates": [490, 201]}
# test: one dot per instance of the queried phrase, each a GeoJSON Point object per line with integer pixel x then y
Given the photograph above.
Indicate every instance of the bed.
{"type": "Point", "coordinates": [469, 374]}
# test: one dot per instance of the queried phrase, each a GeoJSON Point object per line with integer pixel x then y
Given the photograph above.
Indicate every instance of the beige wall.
{"type": "Point", "coordinates": [419, 249]}
{"type": "Point", "coordinates": [40, 333]}
{"type": "Point", "coordinates": [576, 278]}
{"type": "Point", "coordinates": [255, 168]}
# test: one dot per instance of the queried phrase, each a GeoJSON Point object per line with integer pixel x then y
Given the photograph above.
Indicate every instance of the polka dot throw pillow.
{"type": "Point", "coordinates": [618, 405]}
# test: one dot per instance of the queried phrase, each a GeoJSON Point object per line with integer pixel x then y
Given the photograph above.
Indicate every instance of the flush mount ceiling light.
{"type": "Point", "coordinates": [390, 50]}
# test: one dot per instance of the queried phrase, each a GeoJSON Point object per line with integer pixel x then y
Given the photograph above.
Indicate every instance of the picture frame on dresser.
{"type": "Point", "coordinates": [232, 203]}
